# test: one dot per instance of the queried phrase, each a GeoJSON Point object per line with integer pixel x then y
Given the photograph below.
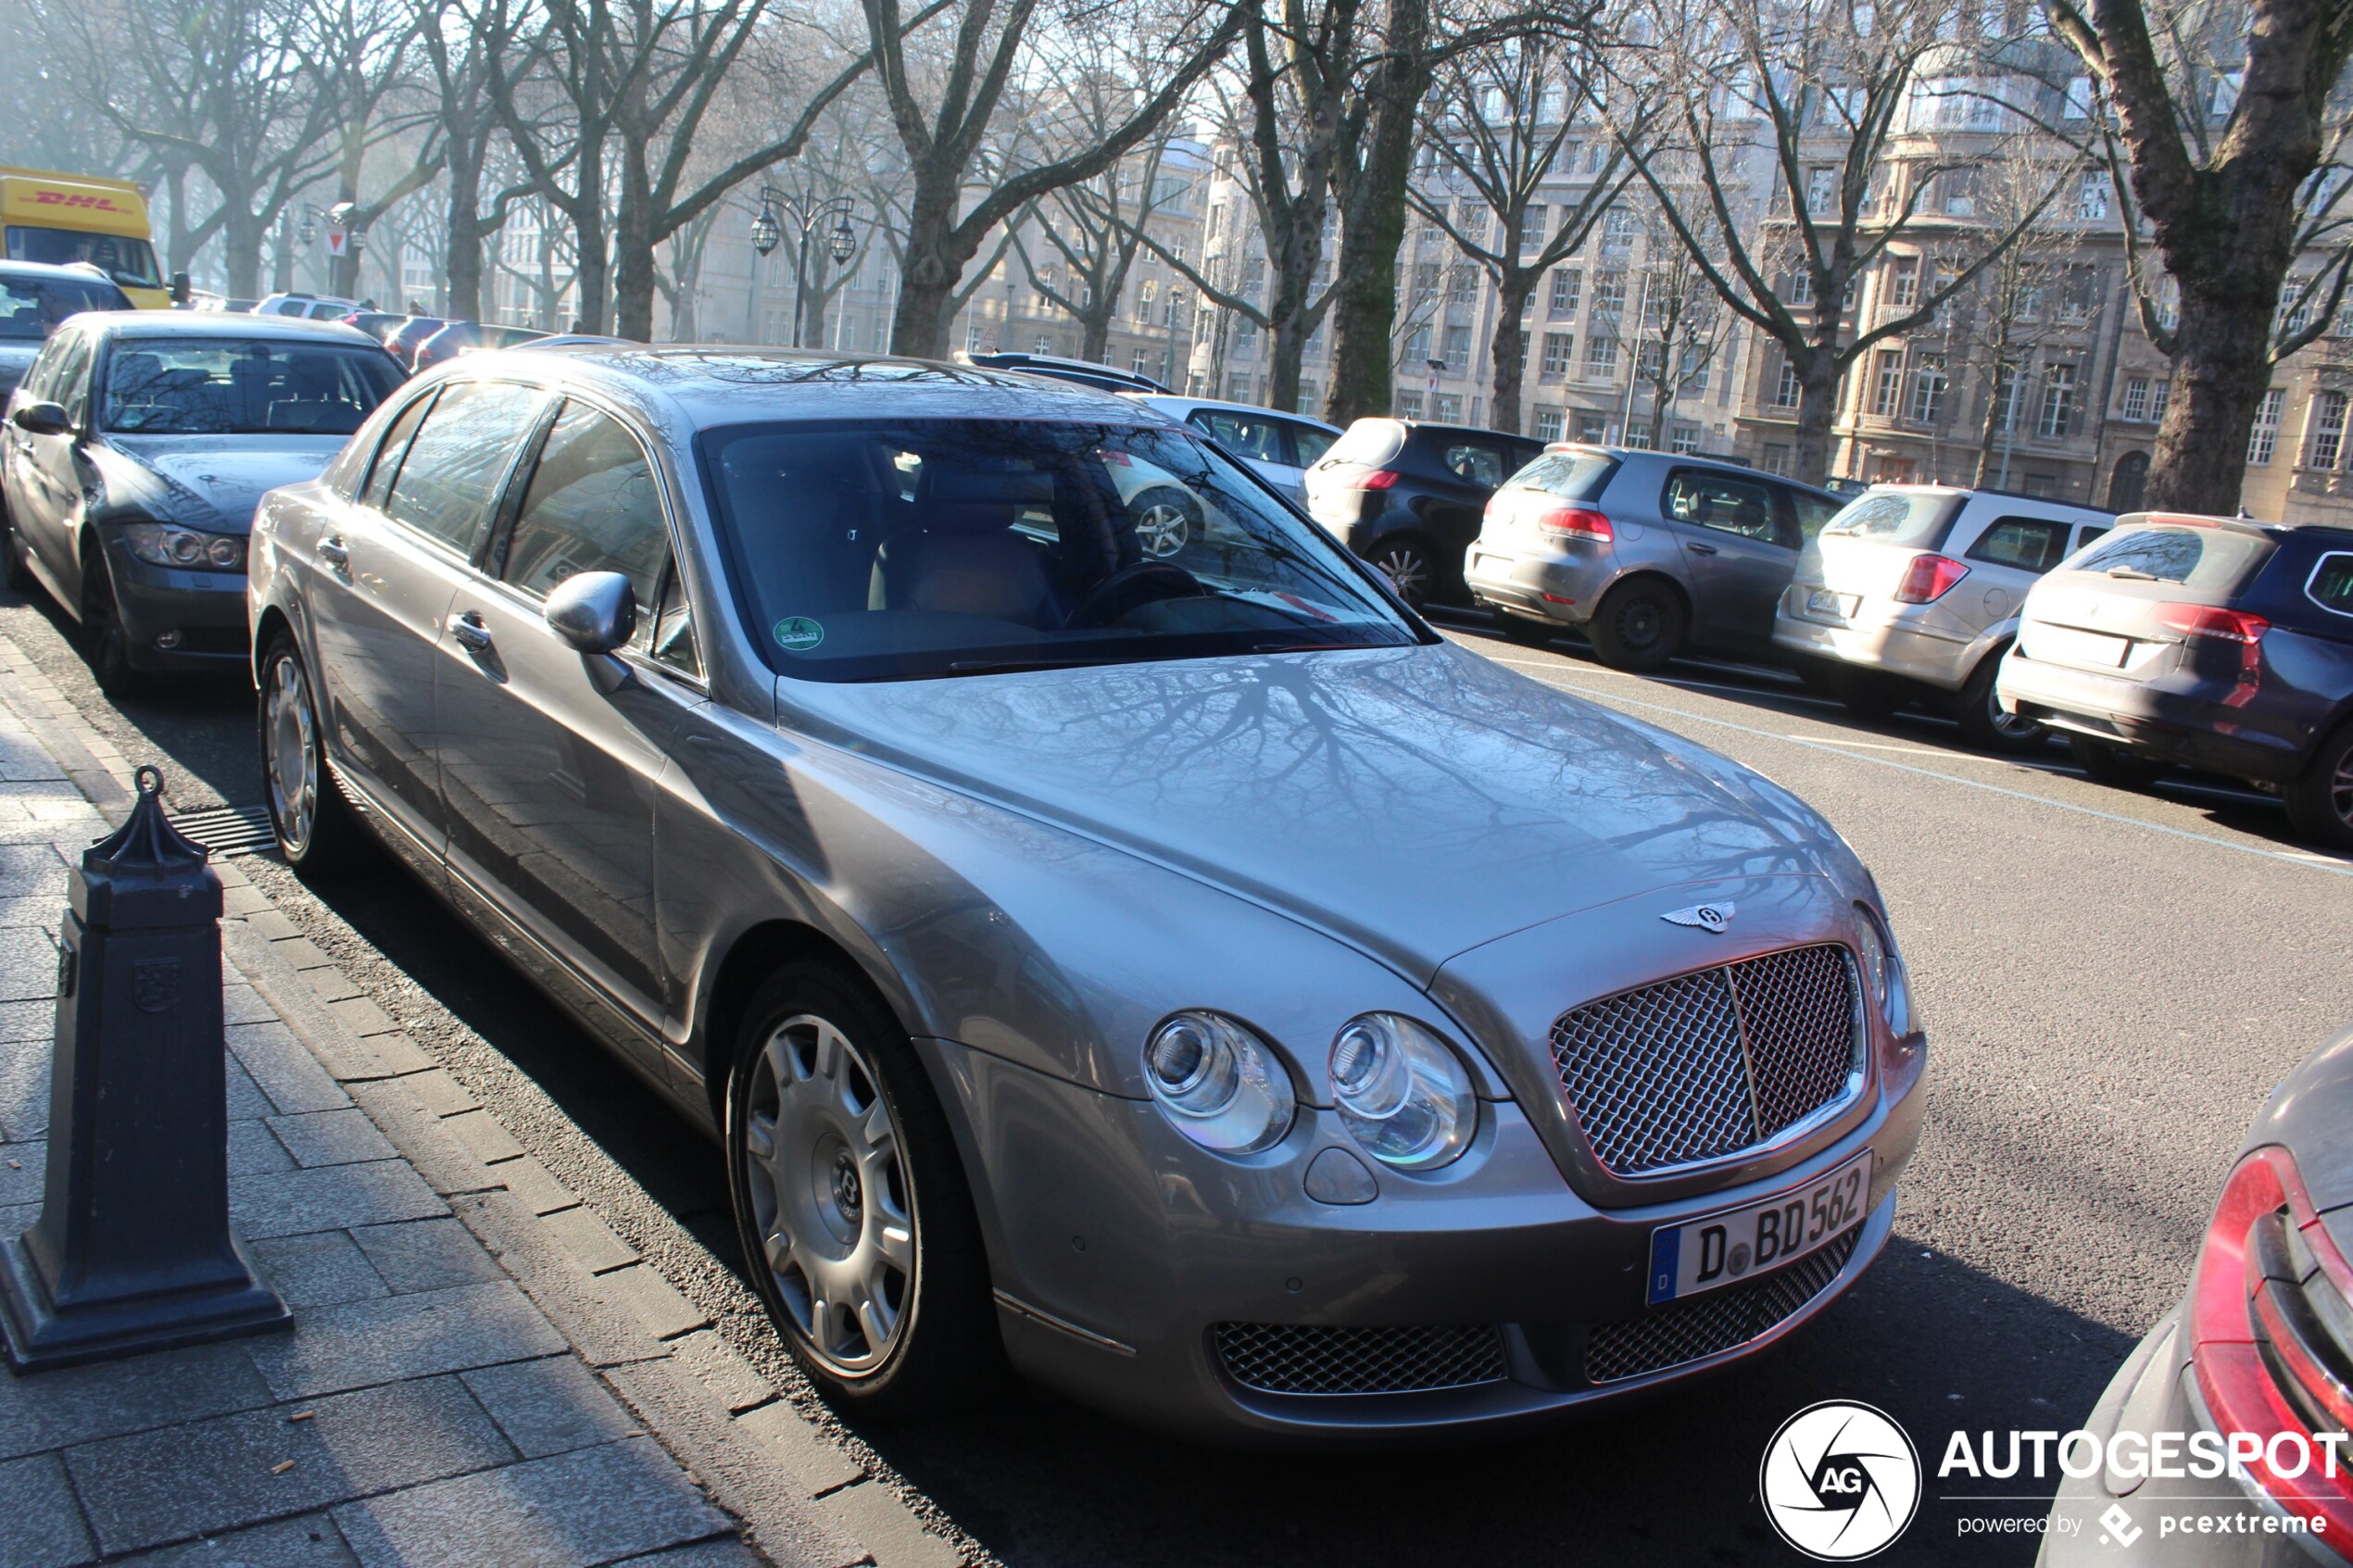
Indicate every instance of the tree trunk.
{"type": "Point", "coordinates": [634, 248]}
{"type": "Point", "coordinates": [1816, 411]}
{"type": "Point", "coordinates": [463, 265]}
{"type": "Point", "coordinates": [1094, 335]}
{"type": "Point", "coordinates": [1505, 352]}
{"type": "Point", "coordinates": [1991, 426]}
{"type": "Point", "coordinates": [1287, 345]}
{"type": "Point", "coordinates": [2222, 368]}
{"type": "Point", "coordinates": [241, 236]}
{"type": "Point", "coordinates": [934, 263]}
{"type": "Point", "coordinates": [1373, 225]}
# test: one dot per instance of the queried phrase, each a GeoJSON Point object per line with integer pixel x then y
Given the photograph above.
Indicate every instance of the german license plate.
{"type": "Point", "coordinates": [1707, 1254]}
{"type": "Point", "coordinates": [1822, 601]}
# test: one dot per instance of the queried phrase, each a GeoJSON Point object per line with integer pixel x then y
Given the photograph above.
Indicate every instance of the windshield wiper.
{"type": "Point", "coordinates": [1009, 665]}
{"type": "Point", "coordinates": [1314, 648]}
{"type": "Point", "coordinates": [2131, 575]}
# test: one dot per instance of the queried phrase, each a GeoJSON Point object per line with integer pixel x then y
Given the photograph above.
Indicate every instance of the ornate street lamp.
{"type": "Point", "coordinates": [843, 242]}
{"type": "Point", "coordinates": [808, 214]}
{"type": "Point", "coordinates": [765, 234]}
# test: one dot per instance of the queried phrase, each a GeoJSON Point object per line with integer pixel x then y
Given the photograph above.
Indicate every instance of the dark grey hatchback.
{"type": "Point", "coordinates": [1409, 497]}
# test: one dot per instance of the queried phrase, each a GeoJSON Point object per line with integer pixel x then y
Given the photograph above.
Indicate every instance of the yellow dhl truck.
{"type": "Point", "coordinates": [61, 219]}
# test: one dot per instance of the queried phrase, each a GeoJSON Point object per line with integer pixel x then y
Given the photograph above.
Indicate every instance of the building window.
{"type": "Point", "coordinates": [1567, 283]}
{"type": "Point", "coordinates": [1619, 226]}
{"type": "Point", "coordinates": [2328, 430]}
{"type": "Point", "coordinates": [2008, 385]}
{"type": "Point", "coordinates": [1458, 351]}
{"type": "Point", "coordinates": [1639, 437]}
{"type": "Point", "coordinates": [2266, 435]}
{"type": "Point", "coordinates": [1601, 355]}
{"type": "Point", "coordinates": [1887, 383]}
{"type": "Point", "coordinates": [1800, 287]}
{"type": "Point", "coordinates": [2137, 399]}
{"type": "Point", "coordinates": [2091, 196]}
{"type": "Point", "coordinates": [1903, 282]}
{"type": "Point", "coordinates": [1558, 347]}
{"type": "Point", "coordinates": [1460, 283]}
{"type": "Point", "coordinates": [1043, 345]}
{"type": "Point", "coordinates": [1592, 428]}
{"type": "Point", "coordinates": [1531, 228]}
{"type": "Point", "coordinates": [2159, 392]}
{"type": "Point", "coordinates": [1238, 386]}
{"type": "Point", "coordinates": [1958, 187]}
{"type": "Point", "coordinates": [1683, 437]}
{"type": "Point", "coordinates": [1787, 389]}
{"type": "Point", "coordinates": [1409, 404]}
{"type": "Point", "coordinates": [1523, 352]}
{"type": "Point", "coordinates": [1609, 295]}
{"type": "Point", "coordinates": [1548, 425]}
{"type": "Point", "coordinates": [1821, 185]}
{"type": "Point", "coordinates": [1777, 454]}
{"type": "Point", "coordinates": [2057, 417]}
{"type": "Point", "coordinates": [1309, 397]}
{"type": "Point", "coordinates": [1928, 389]}
{"type": "Point", "coordinates": [1446, 407]}
{"type": "Point", "coordinates": [1142, 358]}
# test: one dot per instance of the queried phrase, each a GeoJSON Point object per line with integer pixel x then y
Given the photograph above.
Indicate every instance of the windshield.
{"type": "Point", "coordinates": [30, 311]}
{"type": "Point", "coordinates": [127, 261]}
{"type": "Point", "coordinates": [958, 546]}
{"type": "Point", "coordinates": [1917, 519]}
{"type": "Point", "coordinates": [217, 387]}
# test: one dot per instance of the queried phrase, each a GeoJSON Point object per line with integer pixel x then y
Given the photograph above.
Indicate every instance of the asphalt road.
{"type": "Point", "coordinates": [2112, 983]}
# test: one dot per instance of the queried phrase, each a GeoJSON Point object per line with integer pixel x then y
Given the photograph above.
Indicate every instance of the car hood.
{"type": "Point", "coordinates": [1414, 802]}
{"type": "Point", "coordinates": [209, 482]}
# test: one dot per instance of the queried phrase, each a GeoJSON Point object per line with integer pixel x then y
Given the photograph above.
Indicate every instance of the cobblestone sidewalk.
{"type": "Point", "coordinates": [481, 1373]}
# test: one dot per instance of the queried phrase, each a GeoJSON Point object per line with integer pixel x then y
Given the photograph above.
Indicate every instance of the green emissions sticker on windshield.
{"type": "Point", "coordinates": [797, 633]}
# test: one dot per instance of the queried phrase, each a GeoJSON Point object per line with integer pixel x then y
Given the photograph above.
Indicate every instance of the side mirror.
{"type": "Point", "coordinates": [47, 419]}
{"type": "Point", "coordinates": [183, 290]}
{"type": "Point", "coordinates": [594, 612]}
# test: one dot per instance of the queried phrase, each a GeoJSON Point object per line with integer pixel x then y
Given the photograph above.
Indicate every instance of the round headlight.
{"type": "Point", "coordinates": [1218, 1084]}
{"type": "Point", "coordinates": [225, 550]}
{"type": "Point", "coordinates": [184, 549]}
{"type": "Point", "coordinates": [1401, 1092]}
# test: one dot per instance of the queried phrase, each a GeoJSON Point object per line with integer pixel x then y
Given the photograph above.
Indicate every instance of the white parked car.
{"type": "Point", "coordinates": [1912, 591]}
{"type": "Point", "coordinates": [310, 307]}
{"type": "Point", "coordinates": [1277, 447]}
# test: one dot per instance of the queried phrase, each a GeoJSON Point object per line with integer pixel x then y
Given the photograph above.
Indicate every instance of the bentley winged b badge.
{"type": "Point", "coordinates": [1707, 917]}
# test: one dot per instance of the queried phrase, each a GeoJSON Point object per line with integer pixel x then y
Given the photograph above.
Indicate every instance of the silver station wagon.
{"type": "Point", "coordinates": [1186, 977]}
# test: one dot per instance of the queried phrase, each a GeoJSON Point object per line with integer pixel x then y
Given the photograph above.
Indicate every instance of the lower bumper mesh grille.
{"type": "Point", "coordinates": [1305, 1359]}
{"type": "Point", "coordinates": [1690, 1330]}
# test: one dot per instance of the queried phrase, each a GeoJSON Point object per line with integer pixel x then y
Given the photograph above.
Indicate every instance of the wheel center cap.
{"type": "Point", "coordinates": [849, 1194]}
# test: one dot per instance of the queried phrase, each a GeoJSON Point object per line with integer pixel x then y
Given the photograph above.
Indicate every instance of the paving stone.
{"type": "Point", "coordinates": [19, 905]}
{"type": "Point", "coordinates": [299, 951]}
{"type": "Point", "coordinates": [246, 1102]}
{"type": "Point", "coordinates": [361, 1016]}
{"type": "Point", "coordinates": [654, 1299]}
{"type": "Point", "coordinates": [27, 965]}
{"type": "Point", "coordinates": [589, 1240]}
{"type": "Point", "coordinates": [426, 1255]}
{"type": "Point", "coordinates": [399, 1054]}
{"type": "Point", "coordinates": [413, 1335]}
{"type": "Point", "coordinates": [530, 1181]}
{"type": "Point", "coordinates": [483, 1135]}
{"type": "Point", "coordinates": [817, 1465]}
{"type": "Point", "coordinates": [731, 1379]}
{"type": "Point", "coordinates": [290, 1075]}
{"type": "Point", "coordinates": [323, 1270]}
{"type": "Point", "coordinates": [41, 1524]}
{"type": "Point", "coordinates": [76, 1404]}
{"type": "Point", "coordinates": [17, 1218]}
{"type": "Point", "coordinates": [592, 1506]}
{"type": "Point", "coordinates": [333, 985]}
{"type": "Point", "coordinates": [27, 1020]}
{"type": "Point", "coordinates": [242, 1004]}
{"type": "Point", "coordinates": [331, 1137]}
{"type": "Point", "coordinates": [273, 925]}
{"type": "Point", "coordinates": [725, 1552]}
{"type": "Point", "coordinates": [20, 1171]}
{"type": "Point", "coordinates": [438, 1092]}
{"type": "Point", "coordinates": [550, 1407]}
{"type": "Point", "coordinates": [330, 1197]}
{"type": "Point", "coordinates": [254, 1150]}
{"type": "Point", "coordinates": [229, 873]}
{"type": "Point", "coordinates": [245, 902]}
{"type": "Point", "coordinates": [603, 1333]}
{"type": "Point", "coordinates": [871, 1514]}
{"type": "Point", "coordinates": [212, 1475]}
{"type": "Point", "coordinates": [310, 1540]}
{"type": "Point", "coordinates": [440, 1160]}
{"type": "Point", "coordinates": [24, 1099]}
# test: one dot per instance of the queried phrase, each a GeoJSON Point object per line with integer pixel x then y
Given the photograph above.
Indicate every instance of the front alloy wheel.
{"type": "Point", "coordinates": [1165, 518]}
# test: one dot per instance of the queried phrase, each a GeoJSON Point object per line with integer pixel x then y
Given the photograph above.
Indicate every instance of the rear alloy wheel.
{"type": "Point", "coordinates": [1166, 520]}
{"type": "Point", "coordinates": [2319, 800]}
{"type": "Point", "coordinates": [2104, 762]}
{"type": "Point", "coordinates": [856, 1220]}
{"type": "Point", "coordinates": [105, 644]}
{"type": "Point", "coordinates": [1409, 567]}
{"type": "Point", "coordinates": [315, 827]}
{"type": "Point", "coordinates": [1983, 723]}
{"type": "Point", "coordinates": [1639, 626]}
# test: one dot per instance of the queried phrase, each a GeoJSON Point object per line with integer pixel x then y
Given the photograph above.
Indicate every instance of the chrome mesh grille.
{"type": "Point", "coordinates": [1307, 1359]}
{"type": "Point", "coordinates": [1688, 1331]}
{"type": "Point", "coordinates": [1712, 1062]}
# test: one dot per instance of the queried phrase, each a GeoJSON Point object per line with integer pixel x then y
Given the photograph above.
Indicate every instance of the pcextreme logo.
{"type": "Point", "coordinates": [1839, 1481]}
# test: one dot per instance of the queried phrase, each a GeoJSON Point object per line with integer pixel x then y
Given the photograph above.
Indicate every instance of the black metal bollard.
{"type": "Point", "coordinates": [132, 1252]}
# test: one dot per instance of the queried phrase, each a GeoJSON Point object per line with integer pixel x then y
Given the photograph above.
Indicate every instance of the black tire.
{"type": "Point", "coordinates": [1410, 566]}
{"type": "Point", "coordinates": [2104, 762]}
{"type": "Point", "coordinates": [1528, 632]}
{"type": "Point", "coordinates": [318, 830]}
{"type": "Point", "coordinates": [105, 645]}
{"type": "Point", "coordinates": [2320, 799]}
{"type": "Point", "coordinates": [941, 1349]}
{"type": "Point", "coordinates": [1639, 626]}
{"type": "Point", "coordinates": [1984, 724]}
{"type": "Point", "coordinates": [16, 569]}
{"type": "Point", "coordinates": [1166, 520]}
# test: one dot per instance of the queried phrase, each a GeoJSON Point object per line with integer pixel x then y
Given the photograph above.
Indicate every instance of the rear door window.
{"type": "Point", "coordinates": [1723, 502]}
{"type": "Point", "coordinates": [1475, 462]}
{"type": "Point", "coordinates": [457, 463]}
{"type": "Point", "coordinates": [1814, 512]}
{"type": "Point", "coordinates": [389, 451]}
{"type": "Point", "coordinates": [2210, 559]}
{"type": "Point", "coordinates": [2330, 587]}
{"type": "Point", "coordinates": [2089, 531]}
{"type": "Point", "coordinates": [2026, 544]}
{"type": "Point", "coordinates": [1310, 443]}
{"type": "Point", "coordinates": [592, 505]}
{"type": "Point", "coordinates": [1242, 434]}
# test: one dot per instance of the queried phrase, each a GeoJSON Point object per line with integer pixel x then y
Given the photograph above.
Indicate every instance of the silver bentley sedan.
{"type": "Point", "coordinates": [1184, 977]}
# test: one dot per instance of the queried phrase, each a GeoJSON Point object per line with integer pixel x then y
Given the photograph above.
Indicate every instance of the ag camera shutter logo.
{"type": "Point", "coordinates": [1839, 1481]}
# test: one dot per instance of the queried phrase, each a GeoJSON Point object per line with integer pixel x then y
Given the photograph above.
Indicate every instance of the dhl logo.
{"type": "Point", "coordinates": [72, 198]}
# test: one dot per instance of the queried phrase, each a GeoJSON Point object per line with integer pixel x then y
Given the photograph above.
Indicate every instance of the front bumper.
{"type": "Point", "coordinates": [1124, 1257]}
{"type": "Point", "coordinates": [2179, 716]}
{"type": "Point", "coordinates": [1897, 643]}
{"type": "Point", "coordinates": [2155, 1391]}
{"type": "Point", "coordinates": [176, 621]}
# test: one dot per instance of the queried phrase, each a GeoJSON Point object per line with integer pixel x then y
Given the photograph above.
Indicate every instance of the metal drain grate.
{"type": "Point", "coordinates": [1688, 1331]}
{"type": "Point", "coordinates": [229, 830]}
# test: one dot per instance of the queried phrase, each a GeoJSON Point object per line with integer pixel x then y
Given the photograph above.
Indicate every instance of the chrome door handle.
{"type": "Point", "coordinates": [332, 552]}
{"type": "Point", "coordinates": [1699, 549]}
{"type": "Point", "coordinates": [468, 631]}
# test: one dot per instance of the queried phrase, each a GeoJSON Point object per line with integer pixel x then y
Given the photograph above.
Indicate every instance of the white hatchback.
{"type": "Point", "coordinates": [1913, 591]}
{"type": "Point", "coordinates": [1279, 447]}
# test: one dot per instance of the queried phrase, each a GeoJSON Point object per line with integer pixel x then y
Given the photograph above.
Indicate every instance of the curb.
{"type": "Point", "coordinates": [803, 1500]}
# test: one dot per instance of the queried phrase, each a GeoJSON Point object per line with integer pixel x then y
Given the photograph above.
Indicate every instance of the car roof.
{"type": "Point", "coordinates": [717, 385]}
{"type": "Point", "coordinates": [43, 272]}
{"type": "Point", "coordinates": [1976, 489]}
{"type": "Point", "coordinates": [1701, 459]}
{"type": "Point", "coordinates": [213, 323]}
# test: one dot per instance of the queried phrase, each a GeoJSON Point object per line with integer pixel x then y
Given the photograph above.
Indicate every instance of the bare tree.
{"type": "Point", "coordinates": [2228, 208]}
{"type": "Point", "coordinates": [1682, 328]}
{"type": "Point", "coordinates": [1995, 328]}
{"type": "Point", "coordinates": [1091, 232]}
{"type": "Point", "coordinates": [1811, 92]}
{"type": "Point", "coordinates": [361, 54]}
